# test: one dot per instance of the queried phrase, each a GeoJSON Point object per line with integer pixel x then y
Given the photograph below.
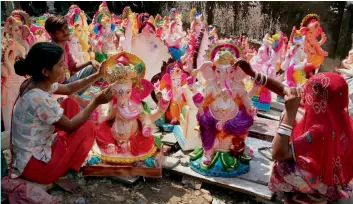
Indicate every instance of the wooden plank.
{"type": "Point", "coordinates": [124, 170]}
{"type": "Point", "coordinates": [117, 170]}
{"type": "Point", "coordinates": [254, 182]}
{"type": "Point", "coordinates": [235, 184]}
{"type": "Point", "coordinates": [272, 114]}
{"type": "Point", "coordinates": [263, 129]}
{"type": "Point", "coordinates": [260, 166]}
{"type": "Point", "coordinates": [277, 105]}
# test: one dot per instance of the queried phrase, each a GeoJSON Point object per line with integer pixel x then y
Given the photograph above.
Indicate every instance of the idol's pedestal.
{"type": "Point", "coordinates": [148, 165]}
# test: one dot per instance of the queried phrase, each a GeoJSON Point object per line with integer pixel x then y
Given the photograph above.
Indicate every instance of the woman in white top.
{"type": "Point", "coordinates": [50, 138]}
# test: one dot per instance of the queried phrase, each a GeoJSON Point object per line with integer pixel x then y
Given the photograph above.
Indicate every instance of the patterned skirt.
{"type": "Point", "coordinates": [287, 176]}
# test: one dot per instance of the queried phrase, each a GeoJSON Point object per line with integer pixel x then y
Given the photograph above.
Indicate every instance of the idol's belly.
{"type": "Point", "coordinates": [224, 110]}
{"type": "Point", "coordinates": [123, 130]}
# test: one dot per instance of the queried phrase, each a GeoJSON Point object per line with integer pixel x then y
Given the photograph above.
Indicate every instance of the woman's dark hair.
{"type": "Point", "coordinates": [41, 55]}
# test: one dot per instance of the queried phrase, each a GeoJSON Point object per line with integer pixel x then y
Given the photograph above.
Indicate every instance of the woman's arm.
{"type": "Point", "coordinates": [73, 87]}
{"type": "Point", "coordinates": [83, 65]}
{"type": "Point", "coordinates": [68, 125]}
{"type": "Point", "coordinates": [345, 71]}
{"type": "Point", "coordinates": [281, 149]}
{"type": "Point", "coordinates": [272, 84]}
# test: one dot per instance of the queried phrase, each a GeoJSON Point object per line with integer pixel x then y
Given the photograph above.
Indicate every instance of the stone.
{"type": "Point", "coordinates": [208, 198]}
{"type": "Point", "coordinates": [166, 150]}
{"type": "Point", "coordinates": [177, 186]}
{"type": "Point", "coordinates": [216, 201]}
{"type": "Point", "coordinates": [197, 193]}
{"type": "Point", "coordinates": [93, 195]}
{"type": "Point", "coordinates": [80, 201]}
{"type": "Point", "coordinates": [191, 182]}
{"type": "Point", "coordinates": [170, 162]}
{"type": "Point", "coordinates": [118, 198]}
{"type": "Point", "coordinates": [82, 181]}
{"type": "Point", "coordinates": [204, 191]}
{"type": "Point", "coordinates": [184, 162]}
{"type": "Point", "coordinates": [142, 197]}
{"type": "Point", "coordinates": [138, 187]}
{"type": "Point", "coordinates": [130, 201]}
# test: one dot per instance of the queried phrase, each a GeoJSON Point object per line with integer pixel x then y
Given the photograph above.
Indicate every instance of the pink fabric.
{"type": "Point", "coordinates": [68, 59]}
{"type": "Point", "coordinates": [290, 80]}
{"type": "Point", "coordinates": [20, 192]}
{"type": "Point", "coordinates": [265, 95]}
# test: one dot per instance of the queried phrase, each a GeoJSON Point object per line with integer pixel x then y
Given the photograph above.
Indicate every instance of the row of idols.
{"type": "Point", "coordinates": [183, 82]}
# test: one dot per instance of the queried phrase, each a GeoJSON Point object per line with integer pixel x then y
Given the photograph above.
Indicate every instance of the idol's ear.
{"type": "Point", "coordinates": [206, 71]}
{"type": "Point", "coordinates": [9, 21]}
{"type": "Point", "coordinates": [25, 31]}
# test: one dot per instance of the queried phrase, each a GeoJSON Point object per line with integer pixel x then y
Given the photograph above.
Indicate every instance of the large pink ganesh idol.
{"type": "Point", "coordinates": [125, 129]}
{"type": "Point", "coordinates": [225, 114]}
{"type": "Point", "coordinates": [17, 28]}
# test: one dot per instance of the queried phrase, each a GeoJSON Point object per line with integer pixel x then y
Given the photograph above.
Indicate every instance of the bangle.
{"type": "Point", "coordinates": [265, 80]}
{"type": "Point", "coordinates": [286, 126]}
{"type": "Point", "coordinates": [282, 131]}
{"type": "Point", "coordinates": [255, 77]}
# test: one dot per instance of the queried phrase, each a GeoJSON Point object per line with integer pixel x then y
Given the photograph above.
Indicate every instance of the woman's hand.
{"type": "Point", "coordinates": [95, 64]}
{"type": "Point", "coordinates": [292, 102]}
{"type": "Point", "coordinates": [102, 68]}
{"type": "Point", "coordinates": [104, 96]}
{"type": "Point", "coordinates": [246, 67]}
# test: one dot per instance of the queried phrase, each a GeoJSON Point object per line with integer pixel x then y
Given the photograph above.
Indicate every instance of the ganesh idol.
{"type": "Point", "coordinates": [266, 63]}
{"type": "Point", "coordinates": [295, 65]}
{"type": "Point", "coordinates": [103, 38]}
{"type": "Point", "coordinates": [10, 81]}
{"type": "Point", "coordinates": [171, 78]}
{"type": "Point", "coordinates": [310, 28]}
{"type": "Point", "coordinates": [346, 71]}
{"type": "Point", "coordinates": [125, 129]}
{"type": "Point", "coordinates": [225, 114]}
{"type": "Point", "coordinates": [197, 42]}
{"type": "Point", "coordinates": [175, 37]}
{"type": "Point", "coordinates": [77, 20]}
{"type": "Point", "coordinates": [17, 28]}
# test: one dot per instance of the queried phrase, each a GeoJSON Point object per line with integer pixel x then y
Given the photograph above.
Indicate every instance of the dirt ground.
{"type": "Point", "coordinates": [169, 189]}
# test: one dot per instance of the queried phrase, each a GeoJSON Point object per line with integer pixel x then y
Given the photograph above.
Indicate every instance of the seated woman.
{"type": "Point", "coordinates": [50, 138]}
{"type": "Point", "coordinates": [314, 155]}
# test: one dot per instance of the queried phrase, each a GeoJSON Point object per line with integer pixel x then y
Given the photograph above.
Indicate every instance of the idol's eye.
{"type": "Point", "coordinates": [218, 71]}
